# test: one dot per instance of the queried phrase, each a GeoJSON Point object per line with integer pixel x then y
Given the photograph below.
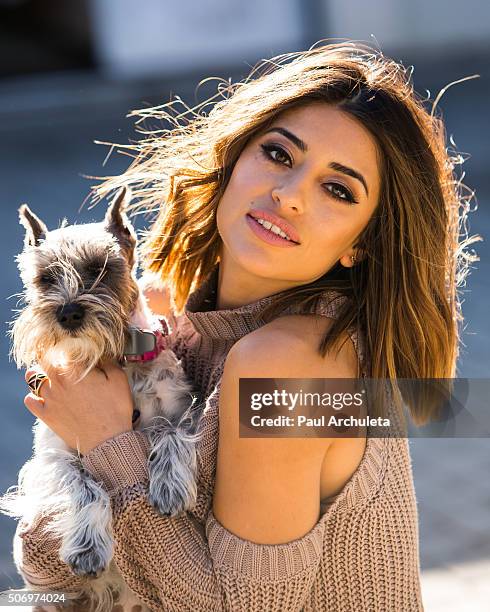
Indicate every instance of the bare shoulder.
{"type": "Point", "coordinates": [257, 478]}
{"type": "Point", "coordinates": [288, 347]}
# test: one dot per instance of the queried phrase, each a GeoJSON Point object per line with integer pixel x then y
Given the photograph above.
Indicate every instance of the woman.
{"type": "Point", "coordinates": [334, 148]}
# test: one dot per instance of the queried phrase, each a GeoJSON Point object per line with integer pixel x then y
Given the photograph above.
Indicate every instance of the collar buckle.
{"type": "Point", "coordinates": [145, 344]}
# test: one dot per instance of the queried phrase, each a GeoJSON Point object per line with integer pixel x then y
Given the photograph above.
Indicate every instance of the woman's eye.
{"type": "Point", "coordinates": [341, 193]}
{"type": "Point", "coordinates": [275, 153]}
{"type": "Point", "coordinates": [278, 155]}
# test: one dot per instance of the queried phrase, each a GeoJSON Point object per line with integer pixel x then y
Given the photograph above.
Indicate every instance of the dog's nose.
{"type": "Point", "coordinates": [70, 316]}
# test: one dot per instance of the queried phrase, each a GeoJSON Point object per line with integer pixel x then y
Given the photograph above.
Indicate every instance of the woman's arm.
{"type": "Point", "coordinates": [73, 410]}
{"type": "Point", "coordinates": [169, 562]}
{"type": "Point", "coordinates": [221, 569]}
{"type": "Point", "coordinates": [35, 549]}
{"type": "Point", "coordinates": [36, 556]}
{"type": "Point", "coordinates": [181, 568]}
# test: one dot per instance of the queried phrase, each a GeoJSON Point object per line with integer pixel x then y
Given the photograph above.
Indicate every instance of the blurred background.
{"type": "Point", "coordinates": [71, 70]}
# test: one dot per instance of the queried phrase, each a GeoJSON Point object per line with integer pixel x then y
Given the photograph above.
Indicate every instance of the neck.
{"type": "Point", "coordinates": [238, 287]}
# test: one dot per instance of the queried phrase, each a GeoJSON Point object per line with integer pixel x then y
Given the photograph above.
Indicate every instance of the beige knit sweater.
{"type": "Point", "coordinates": [362, 555]}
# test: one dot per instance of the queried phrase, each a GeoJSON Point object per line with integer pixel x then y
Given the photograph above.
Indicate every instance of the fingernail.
{"type": "Point", "coordinates": [136, 415]}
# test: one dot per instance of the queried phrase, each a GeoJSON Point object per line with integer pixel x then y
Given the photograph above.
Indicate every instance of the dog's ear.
{"type": "Point", "coordinates": [35, 228]}
{"type": "Point", "coordinates": [117, 222]}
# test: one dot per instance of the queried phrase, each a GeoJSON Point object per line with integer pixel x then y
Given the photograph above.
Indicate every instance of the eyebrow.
{"type": "Point", "coordinates": [302, 146]}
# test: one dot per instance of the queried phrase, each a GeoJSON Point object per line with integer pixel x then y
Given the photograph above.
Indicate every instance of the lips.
{"type": "Point", "coordinates": [286, 227]}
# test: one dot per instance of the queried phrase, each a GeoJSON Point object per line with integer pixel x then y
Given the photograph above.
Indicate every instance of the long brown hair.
{"type": "Point", "coordinates": [403, 292]}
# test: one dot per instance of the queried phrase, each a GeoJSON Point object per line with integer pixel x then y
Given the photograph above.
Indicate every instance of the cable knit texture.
{"type": "Point", "coordinates": [361, 556]}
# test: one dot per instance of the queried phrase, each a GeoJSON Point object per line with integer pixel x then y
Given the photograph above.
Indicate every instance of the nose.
{"type": "Point", "coordinates": [70, 316]}
{"type": "Point", "coordinates": [289, 195]}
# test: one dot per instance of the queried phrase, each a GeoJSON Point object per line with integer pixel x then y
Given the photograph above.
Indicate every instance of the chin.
{"type": "Point", "coordinates": [254, 265]}
{"type": "Point", "coordinates": [241, 250]}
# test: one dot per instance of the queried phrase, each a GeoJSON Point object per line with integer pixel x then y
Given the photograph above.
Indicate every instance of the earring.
{"type": "Point", "coordinates": [353, 259]}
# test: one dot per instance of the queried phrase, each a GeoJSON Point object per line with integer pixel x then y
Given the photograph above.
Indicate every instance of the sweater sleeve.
{"type": "Point", "coordinates": [175, 564]}
{"type": "Point", "coordinates": [36, 556]}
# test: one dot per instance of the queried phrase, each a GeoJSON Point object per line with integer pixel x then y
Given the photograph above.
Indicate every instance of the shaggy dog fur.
{"type": "Point", "coordinates": [88, 272]}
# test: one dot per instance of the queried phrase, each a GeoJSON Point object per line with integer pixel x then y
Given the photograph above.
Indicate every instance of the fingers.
{"type": "Point", "coordinates": [33, 401]}
{"type": "Point", "coordinates": [54, 376]}
{"type": "Point", "coordinates": [33, 369]}
{"type": "Point", "coordinates": [103, 370]}
{"type": "Point", "coordinates": [34, 404]}
{"type": "Point", "coordinates": [112, 370]}
{"type": "Point", "coordinates": [110, 365]}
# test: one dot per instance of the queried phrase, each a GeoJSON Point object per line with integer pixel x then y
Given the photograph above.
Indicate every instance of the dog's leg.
{"type": "Point", "coordinates": [162, 395]}
{"type": "Point", "coordinates": [80, 508]}
{"type": "Point", "coordinates": [79, 512]}
{"type": "Point", "coordinates": [87, 534]}
{"type": "Point", "coordinates": [172, 470]}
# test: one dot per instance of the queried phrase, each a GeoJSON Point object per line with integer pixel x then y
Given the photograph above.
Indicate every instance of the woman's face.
{"type": "Point", "coordinates": [316, 169]}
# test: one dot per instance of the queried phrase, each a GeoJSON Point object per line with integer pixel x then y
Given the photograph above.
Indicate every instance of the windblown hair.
{"type": "Point", "coordinates": [404, 291]}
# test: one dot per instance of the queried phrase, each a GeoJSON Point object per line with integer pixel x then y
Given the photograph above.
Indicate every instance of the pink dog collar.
{"type": "Point", "coordinates": [146, 344]}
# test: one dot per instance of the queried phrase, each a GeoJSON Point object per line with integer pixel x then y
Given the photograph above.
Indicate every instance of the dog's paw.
{"type": "Point", "coordinates": [88, 563]}
{"type": "Point", "coordinates": [171, 498]}
{"type": "Point", "coordinates": [172, 488]}
{"type": "Point", "coordinates": [168, 502]}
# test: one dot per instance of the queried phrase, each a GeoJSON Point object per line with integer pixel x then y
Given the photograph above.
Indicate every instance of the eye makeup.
{"type": "Point", "coordinates": [269, 149]}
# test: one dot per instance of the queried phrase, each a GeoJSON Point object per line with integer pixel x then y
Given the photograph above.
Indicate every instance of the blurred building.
{"type": "Point", "coordinates": [127, 39]}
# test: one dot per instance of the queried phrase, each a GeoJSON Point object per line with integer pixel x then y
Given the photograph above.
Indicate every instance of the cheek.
{"type": "Point", "coordinates": [331, 231]}
{"type": "Point", "coordinates": [248, 175]}
{"type": "Point", "coordinates": [239, 194]}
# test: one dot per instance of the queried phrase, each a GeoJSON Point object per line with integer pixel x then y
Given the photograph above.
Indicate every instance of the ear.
{"type": "Point", "coordinates": [35, 228]}
{"type": "Point", "coordinates": [116, 221]}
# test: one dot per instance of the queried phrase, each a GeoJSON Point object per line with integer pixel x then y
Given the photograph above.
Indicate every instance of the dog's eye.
{"type": "Point", "coordinates": [95, 269]}
{"type": "Point", "coordinates": [46, 279]}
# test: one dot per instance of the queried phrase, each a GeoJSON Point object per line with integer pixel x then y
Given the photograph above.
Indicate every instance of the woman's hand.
{"type": "Point", "coordinates": [86, 413]}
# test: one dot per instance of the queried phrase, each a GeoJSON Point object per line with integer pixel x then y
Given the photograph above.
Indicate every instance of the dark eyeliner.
{"type": "Point", "coordinates": [349, 197]}
{"type": "Point", "coordinates": [267, 148]}
{"type": "Point", "coordinates": [266, 151]}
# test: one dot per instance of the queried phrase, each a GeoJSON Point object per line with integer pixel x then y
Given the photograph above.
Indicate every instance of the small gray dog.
{"type": "Point", "coordinates": [83, 307]}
